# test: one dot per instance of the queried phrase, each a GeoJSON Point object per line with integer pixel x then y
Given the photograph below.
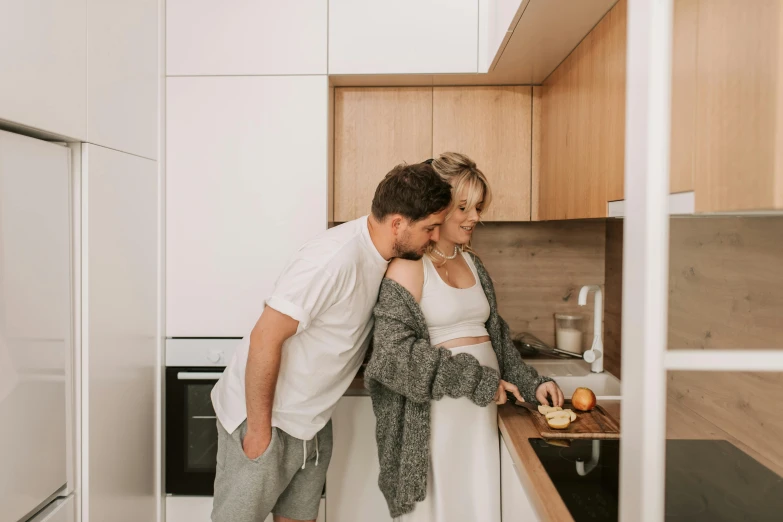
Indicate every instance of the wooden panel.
{"type": "Point", "coordinates": [725, 292]}
{"type": "Point", "coordinates": [374, 130]}
{"type": "Point", "coordinates": [583, 125]}
{"type": "Point", "coordinates": [739, 113]}
{"type": "Point", "coordinates": [613, 297]}
{"type": "Point", "coordinates": [746, 406]}
{"type": "Point", "coordinates": [610, 126]}
{"type": "Point", "coordinates": [726, 283]}
{"type": "Point", "coordinates": [492, 125]}
{"type": "Point", "coordinates": [538, 269]}
{"type": "Point", "coordinates": [535, 162]}
{"type": "Point", "coordinates": [683, 118]}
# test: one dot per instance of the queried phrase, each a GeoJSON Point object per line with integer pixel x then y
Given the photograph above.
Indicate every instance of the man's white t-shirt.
{"type": "Point", "coordinates": [330, 286]}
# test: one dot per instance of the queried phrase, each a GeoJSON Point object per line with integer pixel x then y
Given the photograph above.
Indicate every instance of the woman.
{"type": "Point", "coordinates": [442, 360]}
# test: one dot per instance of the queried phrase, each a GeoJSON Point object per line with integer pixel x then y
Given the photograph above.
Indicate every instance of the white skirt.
{"type": "Point", "coordinates": [463, 484]}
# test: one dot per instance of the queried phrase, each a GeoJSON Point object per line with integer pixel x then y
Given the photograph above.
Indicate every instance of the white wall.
{"type": "Point", "coordinates": [43, 65]}
{"type": "Point", "coordinates": [123, 75]}
{"type": "Point", "coordinates": [119, 309]}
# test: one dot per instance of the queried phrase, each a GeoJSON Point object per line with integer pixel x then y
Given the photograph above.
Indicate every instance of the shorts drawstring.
{"type": "Point", "coordinates": [304, 452]}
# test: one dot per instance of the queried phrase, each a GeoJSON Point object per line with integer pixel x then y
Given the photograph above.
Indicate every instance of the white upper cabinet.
{"type": "Point", "coordinates": [245, 37]}
{"type": "Point", "coordinates": [406, 36]}
{"type": "Point", "coordinates": [43, 65]}
{"type": "Point", "coordinates": [123, 75]}
{"type": "Point", "coordinates": [246, 186]}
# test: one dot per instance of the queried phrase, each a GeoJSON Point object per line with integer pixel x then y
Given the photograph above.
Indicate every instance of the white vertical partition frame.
{"type": "Point", "coordinates": [160, 424]}
{"type": "Point", "coordinates": [645, 260]}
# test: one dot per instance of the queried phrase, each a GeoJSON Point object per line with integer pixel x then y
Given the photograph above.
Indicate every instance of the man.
{"type": "Point", "coordinates": [276, 397]}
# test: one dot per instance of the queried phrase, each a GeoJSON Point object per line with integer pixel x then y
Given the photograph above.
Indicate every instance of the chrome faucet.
{"type": "Point", "coordinates": [595, 355]}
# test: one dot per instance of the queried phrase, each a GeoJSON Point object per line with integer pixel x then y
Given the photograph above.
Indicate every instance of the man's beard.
{"type": "Point", "coordinates": [404, 250]}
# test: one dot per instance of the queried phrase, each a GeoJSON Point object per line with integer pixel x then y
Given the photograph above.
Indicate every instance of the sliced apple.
{"type": "Point", "coordinates": [559, 423]}
{"type": "Point", "coordinates": [543, 410]}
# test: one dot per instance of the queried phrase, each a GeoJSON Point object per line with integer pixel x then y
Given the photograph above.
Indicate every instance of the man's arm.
{"type": "Point", "coordinates": [263, 366]}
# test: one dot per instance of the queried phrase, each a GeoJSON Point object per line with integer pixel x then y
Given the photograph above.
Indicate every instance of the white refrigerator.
{"type": "Point", "coordinates": [36, 332]}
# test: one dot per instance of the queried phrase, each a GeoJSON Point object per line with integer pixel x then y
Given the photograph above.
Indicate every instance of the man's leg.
{"type": "Point", "coordinates": [247, 490]}
{"type": "Point", "coordinates": [302, 497]}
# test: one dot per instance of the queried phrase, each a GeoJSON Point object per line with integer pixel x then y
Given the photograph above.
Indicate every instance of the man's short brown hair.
{"type": "Point", "coordinates": [413, 191]}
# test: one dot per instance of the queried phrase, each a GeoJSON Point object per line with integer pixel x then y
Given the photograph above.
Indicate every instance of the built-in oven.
{"type": "Point", "coordinates": [193, 366]}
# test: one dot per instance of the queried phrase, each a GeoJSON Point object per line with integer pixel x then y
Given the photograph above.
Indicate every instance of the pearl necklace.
{"type": "Point", "coordinates": [444, 256]}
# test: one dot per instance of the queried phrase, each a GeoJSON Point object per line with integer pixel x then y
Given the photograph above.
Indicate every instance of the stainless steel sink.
{"type": "Point", "coordinates": [572, 374]}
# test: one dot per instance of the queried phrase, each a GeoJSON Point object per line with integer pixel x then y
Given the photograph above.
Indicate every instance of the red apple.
{"type": "Point", "coordinates": [583, 399]}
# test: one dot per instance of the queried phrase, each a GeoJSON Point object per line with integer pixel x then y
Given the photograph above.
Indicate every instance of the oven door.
{"type": "Point", "coordinates": [191, 431]}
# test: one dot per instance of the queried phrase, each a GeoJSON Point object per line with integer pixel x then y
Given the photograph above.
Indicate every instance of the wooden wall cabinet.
{"type": "Point", "coordinates": [378, 128]}
{"type": "Point", "coordinates": [492, 125]}
{"type": "Point", "coordinates": [374, 130]}
{"type": "Point", "coordinates": [726, 85]}
{"type": "Point", "coordinates": [582, 133]}
{"type": "Point", "coordinates": [738, 163]}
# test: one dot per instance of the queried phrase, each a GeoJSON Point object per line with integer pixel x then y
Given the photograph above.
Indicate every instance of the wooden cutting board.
{"type": "Point", "coordinates": [595, 424]}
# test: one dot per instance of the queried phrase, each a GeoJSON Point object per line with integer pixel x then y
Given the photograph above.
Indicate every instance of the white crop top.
{"type": "Point", "coordinates": [451, 312]}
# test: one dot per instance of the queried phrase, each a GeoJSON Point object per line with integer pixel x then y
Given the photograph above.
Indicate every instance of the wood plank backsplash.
{"type": "Point", "coordinates": [725, 292]}
{"type": "Point", "coordinates": [538, 269]}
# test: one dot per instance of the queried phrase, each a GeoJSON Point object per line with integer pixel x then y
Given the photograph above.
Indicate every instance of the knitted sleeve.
{"type": "Point", "coordinates": [404, 361]}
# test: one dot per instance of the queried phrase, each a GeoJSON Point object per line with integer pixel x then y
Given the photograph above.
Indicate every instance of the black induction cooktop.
{"type": "Point", "coordinates": [706, 481]}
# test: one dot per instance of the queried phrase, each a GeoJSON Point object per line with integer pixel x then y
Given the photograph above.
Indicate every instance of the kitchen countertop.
{"type": "Point", "coordinates": [516, 426]}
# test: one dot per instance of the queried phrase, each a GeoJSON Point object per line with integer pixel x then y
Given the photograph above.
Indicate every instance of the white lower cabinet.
{"type": "Point", "coordinates": [199, 509]}
{"type": "Point", "coordinates": [515, 504]}
{"type": "Point", "coordinates": [352, 493]}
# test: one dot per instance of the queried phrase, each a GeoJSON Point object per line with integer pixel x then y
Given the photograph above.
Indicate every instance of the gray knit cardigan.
{"type": "Point", "coordinates": [405, 373]}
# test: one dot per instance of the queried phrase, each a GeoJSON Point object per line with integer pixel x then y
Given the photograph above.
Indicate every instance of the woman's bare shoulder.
{"type": "Point", "coordinates": [409, 274]}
